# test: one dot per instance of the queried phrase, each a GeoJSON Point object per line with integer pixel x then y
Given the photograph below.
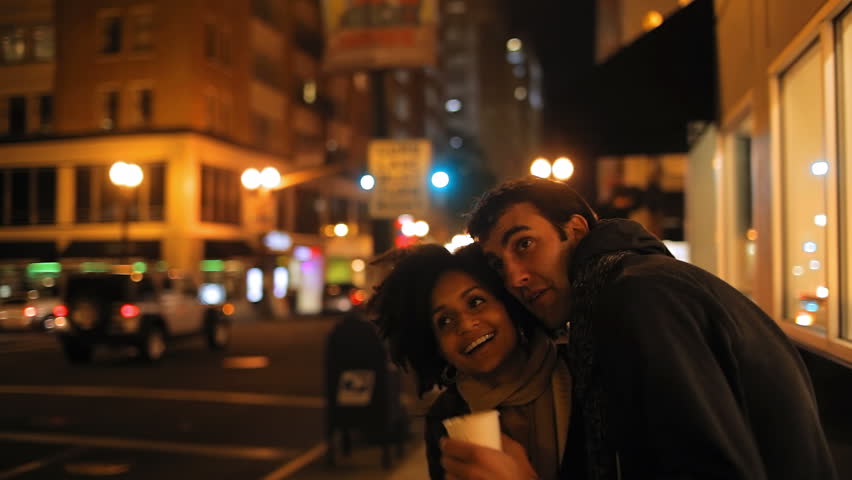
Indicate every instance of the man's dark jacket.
{"type": "Point", "coordinates": [697, 381]}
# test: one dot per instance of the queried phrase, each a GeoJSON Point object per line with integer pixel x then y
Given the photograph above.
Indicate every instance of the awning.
{"type": "Point", "coordinates": [43, 251]}
{"type": "Point", "coordinates": [649, 92]}
{"type": "Point", "coordinates": [220, 249]}
{"type": "Point", "coordinates": [146, 249]}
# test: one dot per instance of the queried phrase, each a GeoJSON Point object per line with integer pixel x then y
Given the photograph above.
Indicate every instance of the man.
{"type": "Point", "coordinates": [675, 373]}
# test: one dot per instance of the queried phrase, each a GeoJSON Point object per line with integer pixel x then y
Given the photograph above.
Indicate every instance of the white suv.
{"type": "Point", "coordinates": [133, 309]}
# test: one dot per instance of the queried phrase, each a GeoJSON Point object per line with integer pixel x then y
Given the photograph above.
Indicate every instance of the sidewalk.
{"type": "Point", "coordinates": [366, 464]}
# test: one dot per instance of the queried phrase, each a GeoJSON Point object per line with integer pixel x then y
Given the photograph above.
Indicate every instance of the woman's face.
{"type": "Point", "coordinates": [473, 329]}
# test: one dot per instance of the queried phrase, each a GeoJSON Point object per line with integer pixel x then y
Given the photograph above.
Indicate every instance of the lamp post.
{"type": "Point", "coordinates": [126, 176]}
{"type": "Point", "coordinates": [263, 181]}
{"type": "Point", "coordinates": [561, 169]}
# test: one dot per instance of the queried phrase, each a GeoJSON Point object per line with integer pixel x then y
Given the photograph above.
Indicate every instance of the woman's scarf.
{"type": "Point", "coordinates": [525, 399]}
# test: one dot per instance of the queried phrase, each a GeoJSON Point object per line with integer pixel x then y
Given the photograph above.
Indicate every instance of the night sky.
{"type": "Point", "coordinates": [563, 37]}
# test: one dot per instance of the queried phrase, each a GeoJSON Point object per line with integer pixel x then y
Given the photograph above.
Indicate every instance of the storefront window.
{"type": "Point", "coordinates": [844, 33]}
{"type": "Point", "coordinates": [804, 210]}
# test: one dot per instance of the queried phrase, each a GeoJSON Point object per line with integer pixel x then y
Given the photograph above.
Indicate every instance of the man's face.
{"type": "Point", "coordinates": [531, 256]}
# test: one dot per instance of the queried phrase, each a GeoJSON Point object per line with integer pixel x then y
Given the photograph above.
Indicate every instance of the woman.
{"type": "Point", "coordinates": [449, 318]}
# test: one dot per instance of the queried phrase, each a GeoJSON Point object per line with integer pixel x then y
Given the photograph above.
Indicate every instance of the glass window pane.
{"type": "Point", "coordinates": [83, 194]}
{"type": "Point", "coordinates": [143, 24]}
{"type": "Point", "coordinates": [157, 194]}
{"type": "Point", "coordinates": [21, 196]}
{"type": "Point", "coordinates": [111, 35]}
{"type": "Point", "coordinates": [43, 44]}
{"type": "Point", "coordinates": [45, 109]}
{"type": "Point", "coordinates": [845, 114]}
{"type": "Point", "coordinates": [14, 44]}
{"type": "Point", "coordinates": [804, 168]}
{"type": "Point", "coordinates": [46, 195]}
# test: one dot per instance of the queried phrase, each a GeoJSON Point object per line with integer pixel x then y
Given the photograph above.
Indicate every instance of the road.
{"type": "Point", "coordinates": [252, 412]}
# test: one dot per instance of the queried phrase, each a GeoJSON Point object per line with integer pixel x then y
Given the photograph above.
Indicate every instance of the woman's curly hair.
{"type": "Point", "coordinates": [401, 305]}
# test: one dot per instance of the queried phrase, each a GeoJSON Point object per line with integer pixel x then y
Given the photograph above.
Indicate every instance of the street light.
{"type": "Point", "coordinates": [126, 176]}
{"type": "Point", "coordinates": [561, 169]}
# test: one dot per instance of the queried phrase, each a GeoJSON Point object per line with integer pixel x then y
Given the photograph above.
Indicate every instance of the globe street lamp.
{"type": "Point", "coordinates": [126, 176]}
{"type": "Point", "coordinates": [561, 169]}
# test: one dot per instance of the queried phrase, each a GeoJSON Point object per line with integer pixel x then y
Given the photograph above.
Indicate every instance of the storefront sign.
{"type": "Point", "coordinates": [401, 168]}
{"type": "Point", "coordinates": [370, 34]}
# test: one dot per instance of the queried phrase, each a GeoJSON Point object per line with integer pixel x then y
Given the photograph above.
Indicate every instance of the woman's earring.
{"type": "Point", "coordinates": [448, 375]}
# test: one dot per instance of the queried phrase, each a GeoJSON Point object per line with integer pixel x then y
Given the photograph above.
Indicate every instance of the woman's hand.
{"type": "Point", "coordinates": [468, 461]}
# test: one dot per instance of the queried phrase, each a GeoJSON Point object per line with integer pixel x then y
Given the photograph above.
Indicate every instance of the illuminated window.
{"type": "Point", "coordinates": [143, 26]}
{"type": "Point", "coordinates": [14, 44]}
{"type": "Point", "coordinates": [804, 188]}
{"type": "Point", "coordinates": [43, 43]}
{"type": "Point", "coordinates": [820, 219]}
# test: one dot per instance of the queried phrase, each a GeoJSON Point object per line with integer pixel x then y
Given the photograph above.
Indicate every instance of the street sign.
{"type": "Point", "coordinates": [401, 169]}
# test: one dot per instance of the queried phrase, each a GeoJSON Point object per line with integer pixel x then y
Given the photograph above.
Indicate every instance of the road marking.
{"type": "Point", "coordinates": [298, 463]}
{"type": "Point", "coordinates": [230, 451]}
{"type": "Point", "coordinates": [211, 396]}
{"type": "Point", "coordinates": [37, 464]}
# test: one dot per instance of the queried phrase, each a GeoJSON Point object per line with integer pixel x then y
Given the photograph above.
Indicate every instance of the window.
{"type": "Point", "coordinates": [260, 127]}
{"type": "Point", "coordinates": [110, 101]}
{"type": "Point", "coordinates": [17, 115]}
{"type": "Point", "coordinates": [220, 195]}
{"type": "Point", "coordinates": [45, 113]}
{"type": "Point", "coordinates": [804, 190]}
{"type": "Point", "coordinates": [27, 196]}
{"type": "Point", "coordinates": [144, 106]}
{"type": "Point", "coordinates": [307, 215]}
{"type": "Point", "coordinates": [143, 26]}
{"type": "Point", "coordinates": [14, 45]}
{"type": "Point", "coordinates": [110, 34]}
{"type": "Point", "coordinates": [44, 47]}
{"type": "Point", "coordinates": [844, 34]}
{"type": "Point", "coordinates": [97, 199]}
{"type": "Point", "coordinates": [210, 41]}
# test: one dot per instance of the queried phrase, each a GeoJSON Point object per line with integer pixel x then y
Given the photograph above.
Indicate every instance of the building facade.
{"type": "Point", "coordinates": [780, 159]}
{"type": "Point", "coordinates": [194, 93]}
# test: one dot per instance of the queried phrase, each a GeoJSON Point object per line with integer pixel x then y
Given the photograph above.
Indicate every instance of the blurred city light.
{"type": "Point", "coordinates": [421, 228]}
{"type": "Point", "coordinates": [809, 247]}
{"type": "Point", "coordinates": [820, 220]}
{"type": "Point", "coordinates": [367, 181]}
{"type": "Point", "coordinates": [309, 92]}
{"type": "Point", "coordinates": [652, 20]}
{"type": "Point", "coordinates": [358, 265]}
{"type": "Point", "coordinates": [125, 174]}
{"type": "Point", "coordinates": [514, 44]}
{"type": "Point", "coordinates": [520, 93]}
{"type": "Point", "coordinates": [251, 178]}
{"type": "Point", "coordinates": [540, 168]}
{"type": "Point", "coordinates": [341, 229]}
{"type": "Point", "coordinates": [457, 242]}
{"type": "Point", "coordinates": [822, 292]}
{"type": "Point", "coordinates": [453, 105]}
{"type": "Point", "coordinates": [270, 178]}
{"type": "Point", "coordinates": [563, 168]}
{"type": "Point", "coordinates": [819, 168]}
{"type": "Point", "coordinates": [456, 142]}
{"type": "Point", "coordinates": [684, 3]}
{"type": "Point", "coordinates": [409, 229]}
{"type": "Point", "coordinates": [805, 319]}
{"type": "Point", "coordinates": [440, 179]}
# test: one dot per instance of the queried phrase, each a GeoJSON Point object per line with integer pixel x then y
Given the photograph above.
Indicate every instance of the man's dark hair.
{"type": "Point", "coordinates": [556, 201]}
{"type": "Point", "coordinates": [401, 306]}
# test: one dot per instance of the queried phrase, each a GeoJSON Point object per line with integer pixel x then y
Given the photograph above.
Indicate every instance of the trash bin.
{"type": "Point", "coordinates": [362, 389]}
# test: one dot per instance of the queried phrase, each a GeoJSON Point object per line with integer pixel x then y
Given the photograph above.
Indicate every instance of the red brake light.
{"type": "Point", "coordinates": [129, 310]}
{"type": "Point", "coordinates": [357, 296]}
{"type": "Point", "coordinates": [60, 311]}
{"type": "Point", "coordinates": [30, 311]}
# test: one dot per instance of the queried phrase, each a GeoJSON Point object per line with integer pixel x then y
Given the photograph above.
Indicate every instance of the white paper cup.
{"type": "Point", "coordinates": [481, 428]}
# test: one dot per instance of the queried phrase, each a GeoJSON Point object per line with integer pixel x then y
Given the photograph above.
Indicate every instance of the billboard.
{"type": "Point", "coordinates": [375, 34]}
{"type": "Point", "coordinates": [401, 168]}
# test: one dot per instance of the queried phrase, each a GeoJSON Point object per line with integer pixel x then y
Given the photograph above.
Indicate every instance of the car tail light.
{"type": "Point", "coordinates": [129, 310]}
{"type": "Point", "coordinates": [60, 311]}
{"type": "Point", "coordinates": [357, 296]}
{"type": "Point", "coordinates": [30, 311]}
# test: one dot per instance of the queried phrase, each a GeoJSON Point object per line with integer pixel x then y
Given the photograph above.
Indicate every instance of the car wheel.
{"type": "Point", "coordinates": [76, 352]}
{"type": "Point", "coordinates": [153, 344]}
{"type": "Point", "coordinates": [218, 334]}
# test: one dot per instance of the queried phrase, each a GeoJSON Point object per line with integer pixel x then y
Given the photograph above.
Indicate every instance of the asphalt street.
{"type": "Point", "coordinates": [254, 411]}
